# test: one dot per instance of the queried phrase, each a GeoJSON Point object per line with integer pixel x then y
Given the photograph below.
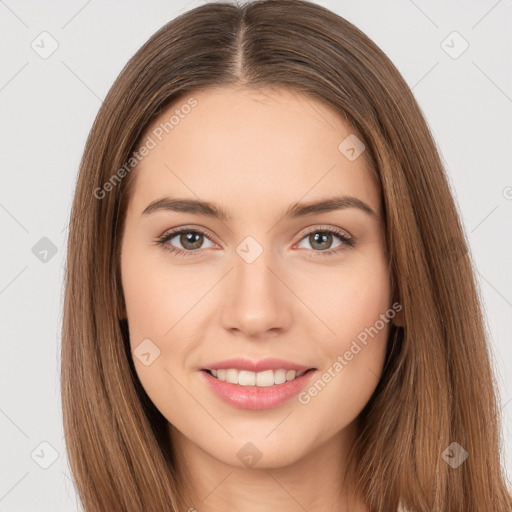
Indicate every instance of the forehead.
{"type": "Point", "coordinates": [239, 143]}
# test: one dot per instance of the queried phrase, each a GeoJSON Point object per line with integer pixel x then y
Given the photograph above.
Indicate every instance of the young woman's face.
{"type": "Point", "coordinates": [307, 287]}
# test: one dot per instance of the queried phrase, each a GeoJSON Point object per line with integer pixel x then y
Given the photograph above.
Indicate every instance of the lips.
{"type": "Point", "coordinates": [256, 397]}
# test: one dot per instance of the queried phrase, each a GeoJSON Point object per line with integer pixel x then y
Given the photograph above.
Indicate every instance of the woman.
{"type": "Point", "coordinates": [269, 299]}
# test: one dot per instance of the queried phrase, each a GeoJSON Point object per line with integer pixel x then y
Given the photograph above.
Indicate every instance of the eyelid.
{"type": "Point", "coordinates": [189, 227]}
{"type": "Point", "coordinates": [322, 227]}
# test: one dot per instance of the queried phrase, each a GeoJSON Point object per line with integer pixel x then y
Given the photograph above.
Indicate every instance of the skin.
{"type": "Point", "coordinates": [255, 153]}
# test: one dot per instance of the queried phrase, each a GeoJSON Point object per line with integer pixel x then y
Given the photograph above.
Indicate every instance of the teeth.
{"type": "Point", "coordinates": [280, 376]}
{"type": "Point", "coordinates": [260, 379]}
{"type": "Point", "coordinates": [244, 378]}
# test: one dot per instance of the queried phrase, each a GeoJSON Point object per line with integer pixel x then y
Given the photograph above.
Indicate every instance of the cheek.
{"type": "Point", "coordinates": [154, 306]}
{"type": "Point", "coordinates": [355, 307]}
{"type": "Point", "coordinates": [145, 302]}
{"type": "Point", "coordinates": [359, 320]}
{"type": "Point", "coordinates": [348, 301]}
{"type": "Point", "coordinates": [156, 295]}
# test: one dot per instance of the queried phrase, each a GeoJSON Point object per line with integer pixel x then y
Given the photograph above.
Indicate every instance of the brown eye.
{"type": "Point", "coordinates": [186, 241]}
{"type": "Point", "coordinates": [321, 240]}
{"type": "Point", "coordinates": [191, 240]}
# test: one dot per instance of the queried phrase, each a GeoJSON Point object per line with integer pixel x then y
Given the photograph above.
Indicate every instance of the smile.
{"type": "Point", "coordinates": [257, 390]}
{"type": "Point", "coordinates": [260, 379]}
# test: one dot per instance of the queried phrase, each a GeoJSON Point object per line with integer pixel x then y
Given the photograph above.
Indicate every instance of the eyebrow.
{"type": "Point", "coordinates": [295, 210]}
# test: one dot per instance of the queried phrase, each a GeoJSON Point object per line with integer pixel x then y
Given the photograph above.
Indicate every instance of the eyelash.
{"type": "Point", "coordinates": [162, 241]}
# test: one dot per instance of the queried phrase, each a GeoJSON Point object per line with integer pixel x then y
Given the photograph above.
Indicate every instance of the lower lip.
{"type": "Point", "coordinates": [256, 397]}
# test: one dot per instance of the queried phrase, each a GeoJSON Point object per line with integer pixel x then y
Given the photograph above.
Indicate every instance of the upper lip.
{"type": "Point", "coordinates": [241, 363]}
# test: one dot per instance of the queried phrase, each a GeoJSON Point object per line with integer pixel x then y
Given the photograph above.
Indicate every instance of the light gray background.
{"type": "Point", "coordinates": [47, 107]}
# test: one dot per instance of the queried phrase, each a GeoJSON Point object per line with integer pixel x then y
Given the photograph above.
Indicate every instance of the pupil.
{"type": "Point", "coordinates": [321, 238]}
{"type": "Point", "coordinates": [192, 238]}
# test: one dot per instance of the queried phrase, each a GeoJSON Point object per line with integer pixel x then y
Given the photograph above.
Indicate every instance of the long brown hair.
{"type": "Point", "coordinates": [437, 386]}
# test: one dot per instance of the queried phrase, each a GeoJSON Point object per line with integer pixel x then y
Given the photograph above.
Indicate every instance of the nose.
{"type": "Point", "coordinates": [257, 304]}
